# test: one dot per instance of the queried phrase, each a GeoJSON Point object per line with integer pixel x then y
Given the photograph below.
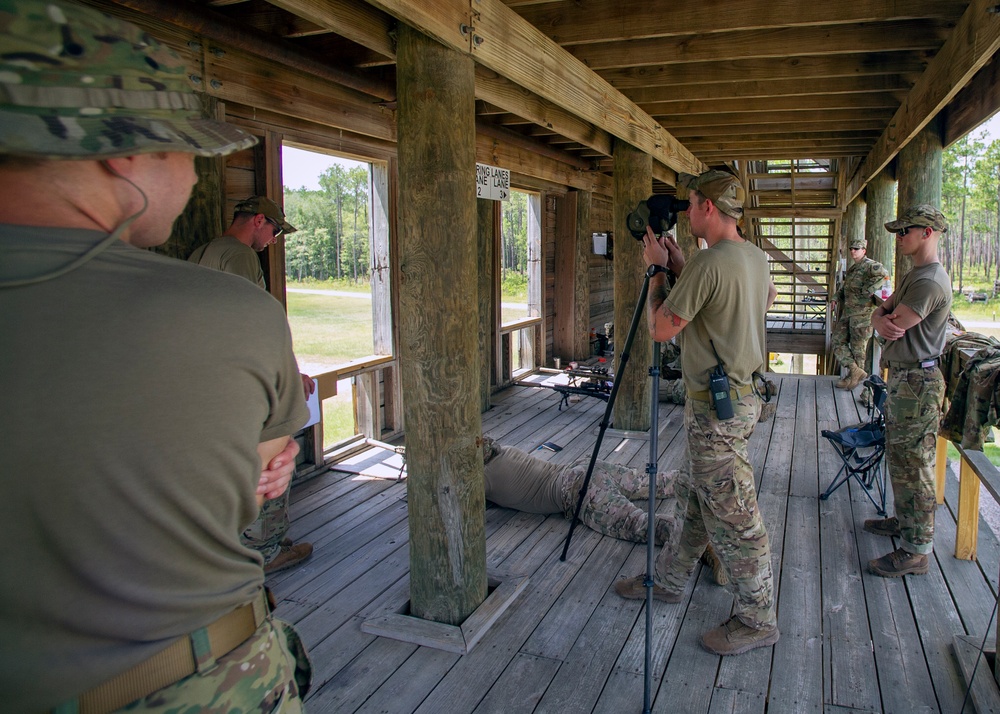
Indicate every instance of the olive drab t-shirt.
{"type": "Point", "coordinates": [229, 255]}
{"type": "Point", "coordinates": [927, 291]}
{"type": "Point", "coordinates": [136, 389]}
{"type": "Point", "coordinates": [516, 480]}
{"type": "Point", "coordinates": [722, 292]}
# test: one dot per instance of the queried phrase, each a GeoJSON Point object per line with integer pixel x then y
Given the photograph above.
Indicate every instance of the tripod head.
{"type": "Point", "coordinates": [658, 211]}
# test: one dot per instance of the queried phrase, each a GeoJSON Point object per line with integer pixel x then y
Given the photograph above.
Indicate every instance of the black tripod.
{"type": "Point", "coordinates": [651, 467]}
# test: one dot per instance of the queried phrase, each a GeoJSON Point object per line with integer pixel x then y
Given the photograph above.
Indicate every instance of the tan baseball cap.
{"type": "Point", "coordinates": [923, 214]}
{"type": "Point", "coordinates": [721, 188]}
{"type": "Point", "coordinates": [270, 209]}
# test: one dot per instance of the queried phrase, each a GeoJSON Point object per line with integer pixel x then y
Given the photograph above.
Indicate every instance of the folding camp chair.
{"type": "Point", "coordinates": [862, 448]}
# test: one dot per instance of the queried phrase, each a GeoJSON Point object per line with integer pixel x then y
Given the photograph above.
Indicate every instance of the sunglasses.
{"type": "Point", "coordinates": [903, 231]}
{"type": "Point", "coordinates": [278, 230]}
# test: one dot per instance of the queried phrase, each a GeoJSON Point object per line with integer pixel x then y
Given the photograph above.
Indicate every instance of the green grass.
{"type": "Point", "coordinates": [329, 330]}
{"type": "Point", "coordinates": [362, 286]}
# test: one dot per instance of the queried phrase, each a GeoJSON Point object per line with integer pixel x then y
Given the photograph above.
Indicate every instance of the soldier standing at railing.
{"type": "Point", "coordinates": [913, 321]}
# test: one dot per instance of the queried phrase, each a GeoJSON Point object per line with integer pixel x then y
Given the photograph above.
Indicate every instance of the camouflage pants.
{"type": "Point", "coordinates": [913, 411]}
{"type": "Point", "coordinates": [717, 503]}
{"type": "Point", "coordinates": [850, 340]}
{"type": "Point", "coordinates": [608, 508]}
{"type": "Point", "coordinates": [270, 672]}
{"type": "Point", "coordinates": [266, 533]}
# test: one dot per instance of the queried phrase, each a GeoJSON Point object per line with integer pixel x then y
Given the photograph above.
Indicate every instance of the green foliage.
{"type": "Point", "coordinates": [514, 235]}
{"type": "Point", "coordinates": [332, 240]}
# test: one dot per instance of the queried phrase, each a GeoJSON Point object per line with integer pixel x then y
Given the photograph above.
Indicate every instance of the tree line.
{"type": "Point", "coordinates": [332, 237]}
{"type": "Point", "coordinates": [970, 190]}
{"type": "Point", "coordinates": [332, 240]}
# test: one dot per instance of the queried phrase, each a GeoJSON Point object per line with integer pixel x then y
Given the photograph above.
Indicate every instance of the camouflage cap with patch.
{"type": "Point", "coordinates": [267, 207]}
{"type": "Point", "coordinates": [856, 243]}
{"type": "Point", "coordinates": [923, 214]}
{"type": "Point", "coordinates": [78, 84]}
{"type": "Point", "coordinates": [721, 188]}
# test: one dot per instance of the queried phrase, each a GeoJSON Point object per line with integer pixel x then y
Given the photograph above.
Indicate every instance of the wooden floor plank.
{"type": "Point", "coordinates": [569, 643]}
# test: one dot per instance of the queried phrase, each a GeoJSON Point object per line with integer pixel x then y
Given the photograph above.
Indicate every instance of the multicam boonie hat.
{"type": "Point", "coordinates": [270, 209]}
{"type": "Point", "coordinates": [856, 243]}
{"type": "Point", "coordinates": [721, 188]}
{"type": "Point", "coordinates": [78, 84]}
{"type": "Point", "coordinates": [923, 214]}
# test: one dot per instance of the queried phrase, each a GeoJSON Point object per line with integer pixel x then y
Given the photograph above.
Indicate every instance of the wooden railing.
{"type": "Point", "coordinates": [974, 468]}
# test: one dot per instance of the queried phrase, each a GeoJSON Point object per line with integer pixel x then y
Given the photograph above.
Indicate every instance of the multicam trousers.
{"type": "Point", "coordinates": [266, 533]}
{"type": "Point", "coordinates": [270, 672]}
{"type": "Point", "coordinates": [608, 507]}
{"type": "Point", "coordinates": [717, 503]}
{"type": "Point", "coordinates": [850, 340]}
{"type": "Point", "coordinates": [912, 415]}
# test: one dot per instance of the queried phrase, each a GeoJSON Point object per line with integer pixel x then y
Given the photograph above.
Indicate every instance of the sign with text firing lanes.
{"type": "Point", "coordinates": [492, 183]}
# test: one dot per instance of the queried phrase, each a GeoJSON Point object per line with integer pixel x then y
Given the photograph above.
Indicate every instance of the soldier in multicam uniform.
{"type": "Point", "coordinates": [914, 322]}
{"type": "Point", "coordinates": [853, 328]}
{"type": "Point", "coordinates": [515, 479]}
{"type": "Point", "coordinates": [141, 393]}
{"type": "Point", "coordinates": [718, 306]}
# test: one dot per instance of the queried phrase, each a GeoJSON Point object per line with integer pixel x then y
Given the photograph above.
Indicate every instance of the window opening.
{"type": "Point", "coordinates": [520, 279]}
{"type": "Point", "coordinates": [336, 270]}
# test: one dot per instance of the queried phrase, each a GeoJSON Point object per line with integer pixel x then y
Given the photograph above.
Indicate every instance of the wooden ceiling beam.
{"type": "Point", "coordinates": [677, 122]}
{"type": "Point", "coordinates": [356, 21]}
{"type": "Point", "coordinates": [819, 127]}
{"type": "Point", "coordinates": [215, 26]}
{"type": "Point", "coordinates": [592, 21]}
{"type": "Point", "coordinates": [972, 44]}
{"type": "Point", "coordinates": [822, 102]}
{"type": "Point", "coordinates": [753, 69]}
{"type": "Point", "coordinates": [497, 38]}
{"type": "Point", "coordinates": [777, 88]}
{"type": "Point", "coordinates": [783, 42]}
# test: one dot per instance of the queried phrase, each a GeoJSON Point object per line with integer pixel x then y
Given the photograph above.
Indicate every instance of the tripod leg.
{"type": "Point", "coordinates": [609, 410]}
{"type": "Point", "coordinates": [651, 468]}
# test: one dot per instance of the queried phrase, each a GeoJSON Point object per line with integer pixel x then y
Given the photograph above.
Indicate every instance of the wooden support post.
{"type": "Point", "coordinates": [570, 337]}
{"type": "Point", "coordinates": [918, 173]}
{"type": "Point", "coordinates": [967, 526]}
{"type": "Point", "coordinates": [940, 468]}
{"type": "Point", "coordinates": [633, 182]}
{"type": "Point", "coordinates": [486, 215]}
{"type": "Point", "coordinates": [880, 210]}
{"type": "Point", "coordinates": [438, 333]}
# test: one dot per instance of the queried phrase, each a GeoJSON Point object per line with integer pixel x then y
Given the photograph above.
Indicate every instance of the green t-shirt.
{"type": "Point", "coordinates": [722, 292]}
{"type": "Point", "coordinates": [927, 291]}
{"type": "Point", "coordinates": [135, 389]}
{"type": "Point", "coordinates": [227, 254]}
{"type": "Point", "coordinates": [516, 480]}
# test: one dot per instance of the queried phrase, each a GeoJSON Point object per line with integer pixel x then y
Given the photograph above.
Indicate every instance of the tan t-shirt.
{"type": "Point", "coordinates": [722, 292]}
{"type": "Point", "coordinates": [135, 389]}
{"type": "Point", "coordinates": [516, 480]}
{"type": "Point", "coordinates": [229, 255]}
{"type": "Point", "coordinates": [927, 291]}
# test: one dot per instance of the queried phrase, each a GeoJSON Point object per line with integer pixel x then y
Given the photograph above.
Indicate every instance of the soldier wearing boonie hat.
{"type": "Point", "coordinates": [718, 304]}
{"type": "Point", "coordinates": [913, 321]}
{"type": "Point", "coordinates": [855, 302]}
{"type": "Point", "coordinates": [180, 385]}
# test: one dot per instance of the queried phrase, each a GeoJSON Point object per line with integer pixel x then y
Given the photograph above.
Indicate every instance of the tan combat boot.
{"type": "Point", "coordinates": [845, 380]}
{"type": "Point", "coordinates": [856, 376]}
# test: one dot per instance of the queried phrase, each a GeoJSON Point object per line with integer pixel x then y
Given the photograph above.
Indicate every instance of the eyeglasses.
{"type": "Point", "coordinates": [903, 231]}
{"type": "Point", "coordinates": [278, 230]}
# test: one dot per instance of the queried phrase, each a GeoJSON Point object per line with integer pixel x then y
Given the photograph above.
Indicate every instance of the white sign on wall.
{"type": "Point", "coordinates": [492, 183]}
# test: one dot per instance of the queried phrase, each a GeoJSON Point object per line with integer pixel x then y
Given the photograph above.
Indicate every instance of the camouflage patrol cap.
{"type": "Point", "coordinates": [267, 207]}
{"type": "Point", "coordinates": [78, 84]}
{"type": "Point", "coordinates": [856, 243]}
{"type": "Point", "coordinates": [923, 214]}
{"type": "Point", "coordinates": [721, 188]}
